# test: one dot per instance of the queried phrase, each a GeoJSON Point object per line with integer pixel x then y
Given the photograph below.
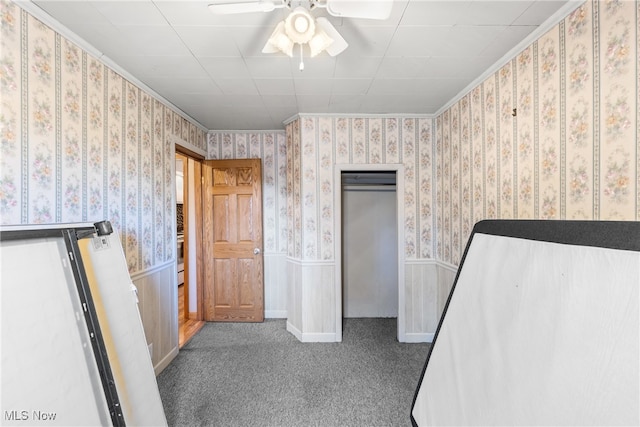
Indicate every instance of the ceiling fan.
{"type": "Point", "coordinates": [301, 28]}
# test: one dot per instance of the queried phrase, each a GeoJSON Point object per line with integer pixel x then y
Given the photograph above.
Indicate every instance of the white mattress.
{"type": "Point", "coordinates": [537, 333]}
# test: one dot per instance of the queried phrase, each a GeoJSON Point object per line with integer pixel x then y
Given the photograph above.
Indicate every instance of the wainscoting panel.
{"type": "Point", "coordinates": [294, 298]}
{"type": "Point", "coordinates": [427, 287]}
{"type": "Point", "coordinates": [311, 316]}
{"type": "Point", "coordinates": [421, 301]}
{"type": "Point", "coordinates": [319, 301]}
{"type": "Point", "coordinates": [446, 276]}
{"type": "Point", "coordinates": [275, 286]}
{"type": "Point", "coordinates": [158, 296]}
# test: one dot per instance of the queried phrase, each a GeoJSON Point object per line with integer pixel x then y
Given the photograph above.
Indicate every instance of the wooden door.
{"type": "Point", "coordinates": [233, 280]}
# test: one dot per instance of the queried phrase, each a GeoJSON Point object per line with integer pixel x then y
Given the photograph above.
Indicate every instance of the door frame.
{"type": "Point", "coordinates": [185, 220]}
{"type": "Point", "coordinates": [197, 195]}
{"type": "Point", "coordinates": [399, 170]}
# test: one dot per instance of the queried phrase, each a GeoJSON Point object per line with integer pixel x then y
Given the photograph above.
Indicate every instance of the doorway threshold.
{"type": "Point", "coordinates": [187, 330]}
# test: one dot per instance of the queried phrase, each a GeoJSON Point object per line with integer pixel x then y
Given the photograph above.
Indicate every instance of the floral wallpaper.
{"type": "Point", "coordinates": [271, 148]}
{"type": "Point", "coordinates": [316, 144]}
{"type": "Point", "coordinates": [554, 134]}
{"type": "Point", "coordinates": [82, 144]}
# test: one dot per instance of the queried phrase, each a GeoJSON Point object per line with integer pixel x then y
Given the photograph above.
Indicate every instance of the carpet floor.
{"type": "Point", "coordinates": [258, 374]}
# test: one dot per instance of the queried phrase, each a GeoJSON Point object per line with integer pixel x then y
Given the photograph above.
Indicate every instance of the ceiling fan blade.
{"type": "Point", "coordinates": [367, 9]}
{"type": "Point", "coordinates": [226, 8]}
{"type": "Point", "coordinates": [339, 44]}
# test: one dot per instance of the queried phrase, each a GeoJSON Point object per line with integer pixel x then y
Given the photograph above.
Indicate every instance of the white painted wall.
{"type": "Point", "coordinates": [370, 252]}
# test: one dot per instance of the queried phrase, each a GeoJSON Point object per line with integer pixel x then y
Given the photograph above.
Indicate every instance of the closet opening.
{"type": "Point", "coordinates": [369, 248]}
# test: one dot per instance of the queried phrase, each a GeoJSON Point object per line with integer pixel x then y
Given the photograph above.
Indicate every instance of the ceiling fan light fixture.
{"type": "Point", "coordinates": [339, 44]}
{"type": "Point", "coordinates": [299, 25]}
{"type": "Point", "coordinates": [319, 42]}
{"type": "Point", "coordinates": [279, 41]}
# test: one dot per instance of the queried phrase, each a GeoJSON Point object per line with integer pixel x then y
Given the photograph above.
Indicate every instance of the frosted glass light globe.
{"type": "Point", "coordinates": [301, 24]}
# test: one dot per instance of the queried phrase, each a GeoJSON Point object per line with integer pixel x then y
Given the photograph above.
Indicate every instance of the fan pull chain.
{"type": "Point", "coordinates": [301, 59]}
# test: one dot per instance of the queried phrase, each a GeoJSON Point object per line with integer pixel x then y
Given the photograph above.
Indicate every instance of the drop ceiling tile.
{"type": "Point", "coordinates": [443, 90]}
{"type": "Point", "coordinates": [434, 12]}
{"type": "Point", "coordinates": [189, 85]}
{"type": "Point", "coordinates": [225, 68]}
{"type": "Point", "coordinates": [151, 40]}
{"type": "Point", "coordinates": [462, 67]}
{"type": "Point", "coordinates": [313, 86]}
{"type": "Point", "coordinates": [321, 66]}
{"type": "Point", "coordinates": [105, 38]}
{"type": "Point", "coordinates": [313, 103]}
{"type": "Point", "coordinates": [250, 40]}
{"type": "Point", "coordinates": [238, 100]}
{"type": "Point", "coordinates": [541, 10]}
{"type": "Point", "coordinates": [235, 120]}
{"type": "Point", "coordinates": [71, 13]}
{"type": "Point", "coordinates": [136, 13]}
{"type": "Point", "coordinates": [163, 66]}
{"type": "Point", "coordinates": [279, 101]}
{"type": "Point", "coordinates": [501, 12]}
{"type": "Point", "coordinates": [280, 114]}
{"type": "Point", "coordinates": [208, 41]}
{"type": "Point", "coordinates": [366, 41]}
{"type": "Point", "coordinates": [506, 40]}
{"type": "Point", "coordinates": [397, 86]}
{"type": "Point", "coordinates": [183, 13]}
{"type": "Point", "coordinates": [193, 101]}
{"type": "Point", "coordinates": [357, 66]}
{"type": "Point", "coordinates": [420, 41]}
{"type": "Point", "coordinates": [372, 104]}
{"type": "Point", "coordinates": [269, 66]}
{"type": "Point", "coordinates": [350, 86]}
{"type": "Point", "coordinates": [237, 86]}
{"type": "Point", "coordinates": [340, 102]}
{"type": "Point", "coordinates": [415, 105]}
{"type": "Point", "coordinates": [275, 86]}
{"type": "Point", "coordinates": [469, 40]}
{"type": "Point", "coordinates": [403, 67]}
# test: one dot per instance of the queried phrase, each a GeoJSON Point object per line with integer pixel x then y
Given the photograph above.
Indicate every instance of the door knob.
{"type": "Point", "coordinates": [256, 251]}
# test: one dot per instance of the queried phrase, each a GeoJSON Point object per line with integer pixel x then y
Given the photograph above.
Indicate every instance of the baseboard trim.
{"type": "Point", "coordinates": [311, 337]}
{"type": "Point", "coordinates": [319, 337]}
{"type": "Point", "coordinates": [165, 361]}
{"type": "Point", "coordinates": [417, 337]}
{"type": "Point", "coordinates": [295, 331]}
{"type": "Point", "coordinates": [275, 314]}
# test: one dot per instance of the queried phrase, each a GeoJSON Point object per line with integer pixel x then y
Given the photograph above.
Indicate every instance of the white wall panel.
{"type": "Point", "coordinates": [157, 292]}
{"type": "Point", "coordinates": [294, 298]}
{"type": "Point", "coordinates": [421, 302]}
{"type": "Point", "coordinates": [275, 286]}
{"type": "Point", "coordinates": [370, 253]}
{"type": "Point", "coordinates": [318, 302]}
